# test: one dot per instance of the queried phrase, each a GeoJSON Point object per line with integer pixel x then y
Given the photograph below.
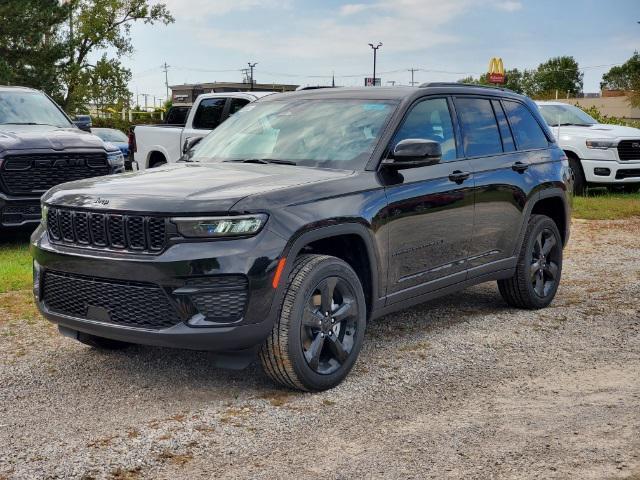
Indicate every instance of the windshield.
{"type": "Point", "coordinates": [325, 133]}
{"type": "Point", "coordinates": [110, 135]}
{"type": "Point", "coordinates": [30, 108]}
{"type": "Point", "coordinates": [565, 115]}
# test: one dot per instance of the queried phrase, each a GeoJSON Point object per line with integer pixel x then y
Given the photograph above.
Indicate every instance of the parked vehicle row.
{"type": "Point", "coordinates": [40, 147]}
{"type": "Point", "coordinates": [304, 216]}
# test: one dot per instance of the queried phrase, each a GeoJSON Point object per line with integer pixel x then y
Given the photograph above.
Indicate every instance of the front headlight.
{"type": "Point", "coordinates": [601, 144]}
{"type": "Point", "coordinates": [216, 227]}
{"type": "Point", "coordinates": [115, 159]}
{"type": "Point", "coordinates": [44, 212]}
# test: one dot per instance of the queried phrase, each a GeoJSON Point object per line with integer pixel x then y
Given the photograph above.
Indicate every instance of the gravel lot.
{"type": "Point", "coordinates": [459, 387]}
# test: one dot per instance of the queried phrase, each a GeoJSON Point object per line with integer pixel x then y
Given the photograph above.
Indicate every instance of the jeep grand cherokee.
{"type": "Point", "coordinates": [305, 216]}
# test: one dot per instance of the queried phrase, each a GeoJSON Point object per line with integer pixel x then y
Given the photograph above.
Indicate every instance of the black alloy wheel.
{"type": "Point", "coordinates": [544, 263]}
{"type": "Point", "coordinates": [329, 325]}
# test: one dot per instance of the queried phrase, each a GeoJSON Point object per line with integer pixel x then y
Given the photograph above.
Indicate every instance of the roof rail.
{"type": "Point", "coordinates": [457, 84]}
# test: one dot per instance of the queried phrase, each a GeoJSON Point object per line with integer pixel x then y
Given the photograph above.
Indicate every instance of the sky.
{"type": "Point", "coordinates": [304, 42]}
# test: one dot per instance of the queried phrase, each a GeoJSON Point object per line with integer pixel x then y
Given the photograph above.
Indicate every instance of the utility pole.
{"type": "Point", "coordinates": [392, 82]}
{"type": "Point", "coordinates": [412, 70]}
{"type": "Point", "coordinates": [165, 68]}
{"type": "Point", "coordinates": [251, 65]}
{"type": "Point", "coordinates": [146, 96]}
{"type": "Point", "coordinates": [375, 51]}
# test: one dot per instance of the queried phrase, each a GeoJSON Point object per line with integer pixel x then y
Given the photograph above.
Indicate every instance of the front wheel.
{"type": "Point", "coordinates": [579, 180]}
{"type": "Point", "coordinates": [539, 267]}
{"type": "Point", "coordinates": [318, 335]}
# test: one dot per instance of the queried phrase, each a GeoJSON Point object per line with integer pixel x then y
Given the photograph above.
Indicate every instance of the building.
{"type": "Point", "coordinates": [607, 104]}
{"type": "Point", "coordinates": [186, 94]}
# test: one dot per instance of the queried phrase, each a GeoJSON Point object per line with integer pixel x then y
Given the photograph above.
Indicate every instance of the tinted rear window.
{"type": "Point", "coordinates": [526, 130]}
{"type": "Point", "coordinates": [480, 134]}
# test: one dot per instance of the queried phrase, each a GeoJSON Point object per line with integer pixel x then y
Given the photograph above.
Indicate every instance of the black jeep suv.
{"type": "Point", "coordinates": [305, 216]}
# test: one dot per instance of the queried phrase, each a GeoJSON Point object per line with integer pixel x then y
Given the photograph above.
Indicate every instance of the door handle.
{"type": "Point", "coordinates": [459, 176]}
{"type": "Point", "coordinates": [520, 167]}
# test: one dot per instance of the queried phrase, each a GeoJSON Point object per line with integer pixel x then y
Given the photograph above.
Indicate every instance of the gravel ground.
{"type": "Point", "coordinates": [459, 387]}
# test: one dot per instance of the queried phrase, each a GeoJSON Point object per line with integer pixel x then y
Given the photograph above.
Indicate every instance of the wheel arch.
{"type": "Point", "coordinates": [351, 242]}
{"type": "Point", "coordinates": [156, 155]}
{"type": "Point", "coordinates": [553, 203]}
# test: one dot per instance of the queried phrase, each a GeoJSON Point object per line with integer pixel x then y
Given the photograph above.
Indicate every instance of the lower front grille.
{"type": "Point", "coordinates": [20, 212]}
{"type": "Point", "coordinates": [139, 305]}
{"type": "Point", "coordinates": [220, 298]}
{"type": "Point", "coordinates": [627, 173]}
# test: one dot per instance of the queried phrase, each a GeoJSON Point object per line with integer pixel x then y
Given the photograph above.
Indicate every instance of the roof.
{"type": "Point", "coordinates": [549, 102]}
{"type": "Point", "coordinates": [394, 93]}
{"type": "Point", "coordinates": [11, 87]}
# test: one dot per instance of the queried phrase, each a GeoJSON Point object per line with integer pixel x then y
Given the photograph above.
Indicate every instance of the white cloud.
{"type": "Point", "coordinates": [201, 9]}
{"type": "Point", "coordinates": [351, 8]}
{"type": "Point", "coordinates": [509, 6]}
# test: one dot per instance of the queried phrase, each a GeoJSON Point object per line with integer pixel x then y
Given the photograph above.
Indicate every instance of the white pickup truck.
{"type": "Point", "coordinates": [155, 145]}
{"type": "Point", "coordinates": [599, 154]}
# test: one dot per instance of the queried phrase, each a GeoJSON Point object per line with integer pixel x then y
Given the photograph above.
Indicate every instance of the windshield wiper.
{"type": "Point", "coordinates": [263, 161]}
{"type": "Point", "coordinates": [573, 124]}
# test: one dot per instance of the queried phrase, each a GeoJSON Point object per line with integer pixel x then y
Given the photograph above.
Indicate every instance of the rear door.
{"type": "Point", "coordinates": [503, 178]}
{"type": "Point", "coordinates": [430, 210]}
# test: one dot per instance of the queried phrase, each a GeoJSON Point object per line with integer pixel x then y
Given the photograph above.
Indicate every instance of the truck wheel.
{"type": "Point", "coordinates": [157, 160]}
{"type": "Point", "coordinates": [539, 266]}
{"type": "Point", "coordinates": [317, 337]}
{"type": "Point", "coordinates": [579, 180]}
{"type": "Point", "coordinates": [101, 342]}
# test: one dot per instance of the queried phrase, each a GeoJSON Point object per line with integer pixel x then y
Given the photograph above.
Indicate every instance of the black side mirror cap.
{"type": "Point", "coordinates": [414, 153]}
{"type": "Point", "coordinates": [189, 143]}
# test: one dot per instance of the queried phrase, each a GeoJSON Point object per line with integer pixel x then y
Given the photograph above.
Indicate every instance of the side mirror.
{"type": "Point", "coordinates": [189, 143]}
{"type": "Point", "coordinates": [414, 153]}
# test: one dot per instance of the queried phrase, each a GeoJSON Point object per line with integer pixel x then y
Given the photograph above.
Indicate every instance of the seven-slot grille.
{"type": "Point", "coordinates": [629, 149]}
{"type": "Point", "coordinates": [133, 304]}
{"type": "Point", "coordinates": [105, 230]}
{"type": "Point", "coordinates": [36, 173]}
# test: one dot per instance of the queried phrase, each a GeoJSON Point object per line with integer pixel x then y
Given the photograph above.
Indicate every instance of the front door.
{"type": "Point", "coordinates": [430, 209]}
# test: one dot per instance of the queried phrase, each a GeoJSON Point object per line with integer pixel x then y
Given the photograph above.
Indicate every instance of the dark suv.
{"type": "Point", "coordinates": [303, 217]}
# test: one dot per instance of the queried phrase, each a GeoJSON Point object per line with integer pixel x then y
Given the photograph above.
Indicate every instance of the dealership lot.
{"type": "Point", "coordinates": [462, 386]}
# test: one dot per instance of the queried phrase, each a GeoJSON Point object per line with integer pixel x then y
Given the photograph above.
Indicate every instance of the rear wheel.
{"type": "Point", "coordinates": [101, 342]}
{"type": "Point", "coordinates": [317, 338]}
{"type": "Point", "coordinates": [539, 266]}
{"type": "Point", "coordinates": [157, 160]}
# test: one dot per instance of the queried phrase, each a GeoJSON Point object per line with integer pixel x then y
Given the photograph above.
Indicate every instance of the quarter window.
{"type": "Point", "coordinates": [209, 113]}
{"type": "Point", "coordinates": [430, 120]}
{"type": "Point", "coordinates": [236, 104]}
{"type": "Point", "coordinates": [526, 130]}
{"type": "Point", "coordinates": [480, 134]}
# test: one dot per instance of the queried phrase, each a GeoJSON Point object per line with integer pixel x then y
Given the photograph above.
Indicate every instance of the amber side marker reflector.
{"type": "Point", "coordinates": [279, 268]}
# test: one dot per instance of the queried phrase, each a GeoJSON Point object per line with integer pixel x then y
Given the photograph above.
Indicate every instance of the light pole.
{"type": "Point", "coordinates": [251, 65]}
{"type": "Point", "coordinates": [375, 51]}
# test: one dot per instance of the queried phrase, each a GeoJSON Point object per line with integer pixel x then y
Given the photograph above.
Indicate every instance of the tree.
{"type": "Point", "coordinates": [30, 49]}
{"type": "Point", "coordinates": [625, 77]}
{"type": "Point", "coordinates": [516, 80]}
{"type": "Point", "coordinates": [106, 84]}
{"type": "Point", "coordinates": [558, 73]}
{"type": "Point", "coordinates": [98, 25]}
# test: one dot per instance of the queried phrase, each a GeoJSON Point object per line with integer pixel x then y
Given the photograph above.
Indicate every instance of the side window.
{"type": "Point", "coordinates": [505, 131]}
{"type": "Point", "coordinates": [526, 130]}
{"type": "Point", "coordinates": [236, 104]}
{"type": "Point", "coordinates": [480, 134]}
{"type": "Point", "coordinates": [209, 113]}
{"type": "Point", "coordinates": [430, 120]}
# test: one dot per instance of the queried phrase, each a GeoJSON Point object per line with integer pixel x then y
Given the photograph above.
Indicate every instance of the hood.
{"type": "Point", "coordinates": [186, 187]}
{"type": "Point", "coordinates": [599, 130]}
{"type": "Point", "coordinates": [23, 137]}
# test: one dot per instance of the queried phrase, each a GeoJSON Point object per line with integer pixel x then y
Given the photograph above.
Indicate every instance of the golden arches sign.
{"type": "Point", "coordinates": [496, 70]}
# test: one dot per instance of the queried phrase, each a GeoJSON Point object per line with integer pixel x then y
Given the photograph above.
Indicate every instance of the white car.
{"type": "Point", "coordinates": [599, 154]}
{"type": "Point", "coordinates": [156, 145]}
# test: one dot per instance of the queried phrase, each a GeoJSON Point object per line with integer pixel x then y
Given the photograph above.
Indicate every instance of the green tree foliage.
{"type": "Point", "coordinates": [98, 25]}
{"type": "Point", "coordinates": [625, 77]}
{"type": "Point", "coordinates": [561, 74]}
{"type": "Point", "coordinates": [520, 81]}
{"type": "Point", "coordinates": [30, 49]}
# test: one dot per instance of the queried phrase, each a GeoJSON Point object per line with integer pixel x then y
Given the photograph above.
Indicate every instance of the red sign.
{"type": "Point", "coordinates": [496, 77]}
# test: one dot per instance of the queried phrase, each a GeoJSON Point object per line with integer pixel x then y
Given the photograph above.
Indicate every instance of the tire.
{"type": "Point", "coordinates": [101, 343]}
{"type": "Point", "coordinates": [306, 350]}
{"type": "Point", "coordinates": [157, 160]}
{"type": "Point", "coordinates": [537, 277]}
{"type": "Point", "coordinates": [579, 180]}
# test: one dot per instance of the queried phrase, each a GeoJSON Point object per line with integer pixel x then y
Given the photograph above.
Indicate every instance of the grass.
{"type": "Point", "coordinates": [15, 266]}
{"type": "Point", "coordinates": [602, 205]}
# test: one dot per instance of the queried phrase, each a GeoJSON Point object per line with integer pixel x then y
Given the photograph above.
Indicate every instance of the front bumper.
{"type": "Point", "coordinates": [611, 172]}
{"type": "Point", "coordinates": [172, 272]}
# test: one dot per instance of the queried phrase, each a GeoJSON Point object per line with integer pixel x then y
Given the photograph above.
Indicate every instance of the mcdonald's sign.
{"type": "Point", "coordinates": [496, 70]}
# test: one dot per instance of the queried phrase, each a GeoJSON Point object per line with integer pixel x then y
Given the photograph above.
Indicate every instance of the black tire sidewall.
{"type": "Point", "coordinates": [579, 180]}
{"type": "Point", "coordinates": [331, 267]}
{"type": "Point", "coordinates": [541, 224]}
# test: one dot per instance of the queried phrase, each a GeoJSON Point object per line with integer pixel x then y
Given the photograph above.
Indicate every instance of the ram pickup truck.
{"type": "Point", "coordinates": [156, 145]}
{"type": "Point", "coordinates": [599, 154]}
{"type": "Point", "coordinates": [41, 147]}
